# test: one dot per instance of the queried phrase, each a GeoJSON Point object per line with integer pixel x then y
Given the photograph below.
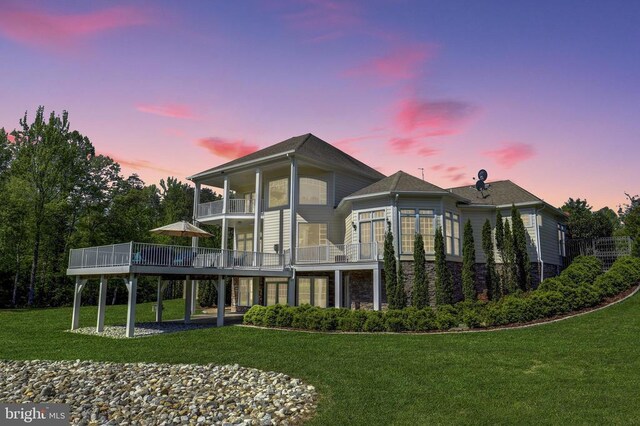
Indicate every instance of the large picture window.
{"type": "Point", "coordinates": [279, 192]}
{"type": "Point", "coordinates": [452, 229]}
{"type": "Point", "coordinates": [275, 291]}
{"type": "Point", "coordinates": [313, 291]}
{"type": "Point", "coordinates": [313, 191]}
{"type": "Point", "coordinates": [371, 230]}
{"type": "Point", "coordinates": [412, 221]}
{"type": "Point", "coordinates": [312, 234]}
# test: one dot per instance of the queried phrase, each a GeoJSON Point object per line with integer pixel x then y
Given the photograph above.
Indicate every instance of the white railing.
{"type": "Point", "coordinates": [160, 255]}
{"type": "Point", "coordinates": [234, 206]}
{"type": "Point", "coordinates": [339, 253]}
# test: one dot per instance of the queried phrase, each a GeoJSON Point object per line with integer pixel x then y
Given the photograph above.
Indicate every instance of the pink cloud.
{"type": "Point", "coordinates": [168, 110]}
{"type": "Point", "coordinates": [511, 153]}
{"type": "Point", "coordinates": [136, 165]}
{"type": "Point", "coordinates": [437, 167]}
{"type": "Point", "coordinates": [227, 148]}
{"type": "Point", "coordinates": [456, 177]}
{"type": "Point", "coordinates": [61, 31]}
{"type": "Point", "coordinates": [401, 64]}
{"type": "Point", "coordinates": [432, 118]}
{"type": "Point", "coordinates": [323, 20]}
{"type": "Point", "coordinates": [403, 145]}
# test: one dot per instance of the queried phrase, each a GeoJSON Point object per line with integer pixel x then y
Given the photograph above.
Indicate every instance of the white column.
{"type": "Point", "coordinates": [338, 288]}
{"type": "Point", "coordinates": [102, 303]}
{"type": "Point", "coordinates": [187, 300]}
{"type": "Point", "coordinates": [221, 297]}
{"type": "Point", "coordinates": [293, 207]}
{"type": "Point", "coordinates": [195, 241]}
{"type": "Point", "coordinates": [256, 216]}
{"type": "Point", "coordinates": [194, 296]}
{"type": "Point", "coordinates": [132, 286]}
{"type": "Point", "coordinates": [159, 301]}
{"type": "Point", "coordinates": [75, 317]}
{"type": "Point", "coordinates": [291, 296]}
{"type": "Point", "coordinates": [377, 290]}
{"type": "Point", "coordinates": [224, 234]}
{"type": "Point", "coordinates": [225, 206]}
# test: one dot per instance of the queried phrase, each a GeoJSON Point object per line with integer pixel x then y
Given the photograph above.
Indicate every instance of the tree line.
{"type": "Point", "coordinates": [57, 193]}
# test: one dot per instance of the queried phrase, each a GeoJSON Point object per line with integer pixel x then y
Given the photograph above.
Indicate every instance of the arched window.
{"type": "Point", "coordinates": [313, 191]}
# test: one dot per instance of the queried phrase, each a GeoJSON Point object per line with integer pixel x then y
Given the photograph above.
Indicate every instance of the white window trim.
{"type": "Point", "coordinates": [417, 216]}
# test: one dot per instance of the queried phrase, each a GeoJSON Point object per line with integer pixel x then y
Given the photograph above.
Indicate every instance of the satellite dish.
{"type": "Point", "coordinates": [480, 186]}
{"type": "Point", "coordinates": [482, 175]}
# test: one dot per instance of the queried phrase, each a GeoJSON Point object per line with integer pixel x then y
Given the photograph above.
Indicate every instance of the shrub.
{"type": "Point", "coordinates": [446, 317]}
{"type": "Point", "coordinates": [285, 316]}
{"type": "Point", "coordinates": [352, 321]}
{"type": "Point", "coordinates": [374, 321]}
{"type": "Point", "coordinates": [471, 318]}
{"type": "Point", "coordinates": [394, 320]}
{"type": "Point", "coordinates": [420, 319]}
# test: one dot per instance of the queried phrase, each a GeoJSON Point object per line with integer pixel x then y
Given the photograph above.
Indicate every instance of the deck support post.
{"type": "Point", "coordinates": [102, 303]}
{"type": "Point", "coordinates": [221, 299]}
{"type": "Point", "coordinates": [338, 288]}
{"type": "Point", "coordinates": [187, 300]}
{"type": "Point", "coordinates": [377, 290]}
{"type": "Point", "coordinates": [291, 291]}
{"type": "Point", "coordinates": [194, 296]}
{"type": "Point", "coordinates": [159, 301]}
{"type": "Point", "coordinates": [132, 287]}
{"type": "Point", "coordinates": [75, 317]}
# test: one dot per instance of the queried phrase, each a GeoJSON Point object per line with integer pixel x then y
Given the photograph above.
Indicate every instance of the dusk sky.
{"type": "Point", "coordinates": [545, 93]}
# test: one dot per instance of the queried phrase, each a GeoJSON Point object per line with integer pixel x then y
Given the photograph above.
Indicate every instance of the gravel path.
{"type": "Point", "coordinates": [160, 394]}
{"type": "Point", "coordinates": [141, 330]}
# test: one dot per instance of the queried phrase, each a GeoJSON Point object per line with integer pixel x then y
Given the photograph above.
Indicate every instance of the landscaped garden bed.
{"type": "Point", "coordinates": [581, 286]}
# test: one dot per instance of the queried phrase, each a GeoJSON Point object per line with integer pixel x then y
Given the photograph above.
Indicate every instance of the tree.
{"type": "Point", "coordinates": [400, 299]}
{"type": "Point", "coordinates": [508, 281]}
{"type": "Point", "coordinates": [420, 294]}
{"type": "Point", "coordinates": [50, 160]}
{"type": "Point", "coordinates": [630, 216]}
{"type": "Point", "coordinates": [491, 276]}
{"type": "Point", "coordinates": [583, 223]}
{"type": "Point", "coordinates": [390, 272]}
{"type": "Point", "coordinates": [520, 252]}
{"type": "Point", "coordinates": [468, 264]}
{"type": "Point", "coordinates": [444, 281]}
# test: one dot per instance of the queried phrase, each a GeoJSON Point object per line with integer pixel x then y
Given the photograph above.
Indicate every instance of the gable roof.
{"type": "Point", "coordinates": [398, 182]}
{"type": "Point", "coordinates": [500, 193]}
{"type": "Point", "coordinates": [308, 146]}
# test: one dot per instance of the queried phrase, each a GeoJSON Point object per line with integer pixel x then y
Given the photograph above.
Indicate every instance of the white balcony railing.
{"type": "Point", "coordinates": [144, 254]}
{"type": "Point", "coordinates": [339, 253]}
{"type": "Point", "coordinates": [234, 206]}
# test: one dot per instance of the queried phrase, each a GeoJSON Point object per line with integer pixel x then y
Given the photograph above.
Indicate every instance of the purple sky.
{"type": "Point", "coordinates": [546, 93]}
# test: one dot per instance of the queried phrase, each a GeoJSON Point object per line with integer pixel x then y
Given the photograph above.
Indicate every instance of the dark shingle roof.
{"type": "Point", "coordinates": [398, 182]}
{"type": "Point", "coordinates": [309, 146]}
{"type": "Point", "coordinates": [499, 193]}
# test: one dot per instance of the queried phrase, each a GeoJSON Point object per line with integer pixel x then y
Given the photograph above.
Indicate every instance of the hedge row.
{"type": "Point", "coordinates": [579, 286]}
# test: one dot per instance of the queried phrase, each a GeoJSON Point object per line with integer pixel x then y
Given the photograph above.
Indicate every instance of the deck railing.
{"type": "Point", "coordinates": [145, 254]}
{"type": "Point", "coordinates": [339, 253]}
{"type": "Point", "coordinates": [234, 206]}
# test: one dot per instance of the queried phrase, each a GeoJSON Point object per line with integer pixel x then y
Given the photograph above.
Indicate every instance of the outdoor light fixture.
{"type": "Point", "coordinates": [354, 226]}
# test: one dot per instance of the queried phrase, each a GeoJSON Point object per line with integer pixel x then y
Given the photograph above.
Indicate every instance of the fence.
{"type": "Point", "coordinates": [607, 249]}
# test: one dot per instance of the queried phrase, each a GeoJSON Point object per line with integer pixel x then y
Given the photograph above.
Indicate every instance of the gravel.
{"type": "Point", "coordinates": [102, 393]}
{"type": "Point", "coordinates": [141, 329]}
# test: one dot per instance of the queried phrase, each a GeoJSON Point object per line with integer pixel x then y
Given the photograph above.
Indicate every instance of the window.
{"type": "Point", "coordinates": [313, 191]}
{"type": "Point", "coordinates": [279, 192]}
{"type": "Point", "coordinates": [276, 291]}
{"type": "Point", "coordinates": [562, 236]}
{"type": "Point", "coordinates": [313, 291]}
{"type": "Point", "coordinates": [244, 241]}
{"type": "Point", "coordinates": [526, 220]}
{"type": "Point", "coordinates": [312, 234]}
{"type": "Point", "coordinates": [245, 292]}
{"type": "Point", "coordinates": [371, 227]}
{"type": "Point", "coordinates": [412, 222]}
{"type": "Point", "coordinates": [452, 229]}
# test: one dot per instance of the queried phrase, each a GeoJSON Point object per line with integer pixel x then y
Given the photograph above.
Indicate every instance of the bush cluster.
{"type": "Point", "coordinates": [579, 286]}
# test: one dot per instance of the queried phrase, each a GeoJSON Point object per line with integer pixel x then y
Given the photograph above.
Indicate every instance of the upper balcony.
{"type": "Point", "coordinates": [236, 207]}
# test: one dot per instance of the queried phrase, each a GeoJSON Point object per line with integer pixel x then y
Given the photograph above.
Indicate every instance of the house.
{"type": "Point", "coordinates": [308, 222]}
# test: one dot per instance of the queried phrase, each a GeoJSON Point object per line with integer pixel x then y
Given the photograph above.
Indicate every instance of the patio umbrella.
{"type": "Point", "coordinates": [181, 229]}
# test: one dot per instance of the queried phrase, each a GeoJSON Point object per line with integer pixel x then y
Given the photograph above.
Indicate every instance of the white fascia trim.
{"type": "Point", "coordinates": [210, 172]}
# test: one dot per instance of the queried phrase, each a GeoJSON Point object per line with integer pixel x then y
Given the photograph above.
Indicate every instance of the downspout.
{"type": "Point", "coordinates": [538, 250]}
{"type": "Point", "coordinates": [396, 224]}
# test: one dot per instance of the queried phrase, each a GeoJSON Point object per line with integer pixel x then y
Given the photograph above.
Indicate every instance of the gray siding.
{"type": "Point", "coordinates": [549, 235]}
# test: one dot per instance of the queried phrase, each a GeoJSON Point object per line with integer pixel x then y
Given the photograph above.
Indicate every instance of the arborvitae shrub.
{"type": "Point", "coordinates": [420, 293]}
{"type": "Point", "coordinates": [468, 263]}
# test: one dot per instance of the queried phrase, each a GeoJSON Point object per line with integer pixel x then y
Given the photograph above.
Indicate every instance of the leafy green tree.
{"type": "Point", "coordinates": [444, 280]}
{"type": "Point", "coordinates": [51, 160]}
{"type": "Point", "coordinates": [521, 255]}
{"type": "Point", "coordinates": [582, 222]}
{"type": "Point", "coordinates": [390, 270]}
{"type": "Point", "coordinates": [420, 294]}
{"type": "Point", "coordinates": [468, 263]}
{"type": "Point", "coordinates": [630, 216]}
{"type": "Point", "coordinates": [491, 276]}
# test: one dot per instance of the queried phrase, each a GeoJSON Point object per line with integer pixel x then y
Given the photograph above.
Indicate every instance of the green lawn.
{"type": "Point", "coordinates": [580, 371]}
